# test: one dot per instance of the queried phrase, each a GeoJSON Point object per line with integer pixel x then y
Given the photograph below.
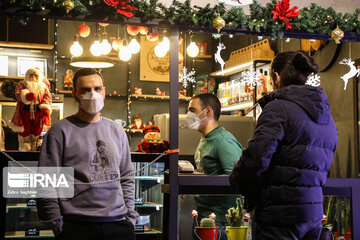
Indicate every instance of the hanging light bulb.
{"type": "Point", "coordinates": [76, 49]}
{"type": "Point", "coordinates": [166, 43]}
{"type": "Point", "coordinates": [105, 45]}
{"type": "Point", "coordinates": [125, 53]}
{"type": "Point", "coordinates": [160, 50]}
{"type": "Point", "coordinates": [192, 50]}
{"type": "Point", "coordinates": [95, 48]}
{"type": "Point", "coordinates": [134, 46]}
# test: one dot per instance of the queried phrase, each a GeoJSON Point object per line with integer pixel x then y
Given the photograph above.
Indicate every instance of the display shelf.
{"type": "Point", "coordinates": [26, 45]}
{"type": "Point", "coordinates": [156, 97]}
{"type": "Point", "coordinates": [150, 178]}
{"type": "Point", "coordinates": [133, 130]}
{"type": "Point", "coordinates": [68, 93]}
{"type": "Point", "coordinates": [152, 231]}
{"type": "Point", "coordinates": [18, 78]}
{"type": "Point", "coordinates": [149, 205]}
{"type": "Point", "coordinates": [18, 206]}
{"type": "Point", "coordinates": [21, 234]}
{"type": "Point", "coordinates": [239, 106]}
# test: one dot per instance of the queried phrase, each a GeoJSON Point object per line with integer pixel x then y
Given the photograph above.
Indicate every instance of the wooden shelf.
{"type": "Point", "coordinates": [152, 231]}
{"type": "Point", "coordinates": [149, 205]}
{"type": "Point", "coordinates": [158, 97]}
{"type": "Point", "coordinates": [26, 45]}
{"type": "Point", "coordinates": [18, 205]}
{"type": "Point", "coordinates": [238, 106]}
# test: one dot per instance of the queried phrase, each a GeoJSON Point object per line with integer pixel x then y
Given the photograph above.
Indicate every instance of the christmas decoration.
{"type": "Point", "coordinates": [103, 24]}
{"type": "Point", "coordinates": [84, 30]}
{"type": "Point", "coordinates": [337, 34]}
{"type": "Point", "coordinates": [69, 5]}
{"type": "Point", "coordinates": [313, 80]}
{"type": "Point", "coordinates": [152, 142]}
{"type": "Point", "coordinates": [68, 79]}
{"type": "Point", "coordinates": [218, 23]}
{"type": "Point", "coordinates": [186, 77]}
{"type": "Point", "coordinates": [250, 78]}
{"type": "Point", "coordinates": [218, 58]}
{"type": "Point", "coordinates": [121, 7]}
{"type": "Point", "coordinates": [117, 44]}
{"type": "Point", "coordinates": [132, 30]}
{"type": "Point", "coordinates": [138, 91]}
{"type": "Point", "coordinates": [194, 214]}
{"type": "Point", "coordinates": [138, 123]}
{"type": "Point", "coordinates": [159, 92]}
{"type": "Point", "coordinates": [143, 30]}
{"type": "Point", "coordinates": [353, 71]}
{"type": "Point", "coordinates": [283, 12]}
{"type": "Point", "coordinates": [152, 36]}
{"type": "Point", "coordinates": [33, 109]}
{"type": "Point", "coordinates": [212, 215]}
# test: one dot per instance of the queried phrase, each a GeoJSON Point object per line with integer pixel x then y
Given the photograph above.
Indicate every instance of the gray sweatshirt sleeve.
{"type": "Point", "coordinates": [48, 208]}
{"type": "Point", "coordinates": [127, 183]}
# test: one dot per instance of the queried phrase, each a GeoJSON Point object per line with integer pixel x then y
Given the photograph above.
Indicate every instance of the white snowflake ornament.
{"type": "Point", "coordinates": [313, 80]}
{"type": "Point", "coordinates": [186, 77]}
{"type": "Point", "coordinates": [250, 78]}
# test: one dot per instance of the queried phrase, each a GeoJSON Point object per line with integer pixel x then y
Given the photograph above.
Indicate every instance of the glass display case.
{"type": "Point", "coordinates": [22, 222]}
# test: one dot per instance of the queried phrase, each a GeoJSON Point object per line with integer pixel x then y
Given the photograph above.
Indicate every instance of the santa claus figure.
{"type": "Point", "coordinates": [33, 109]}
{"type": "Point", "coordinates": [152, 142]}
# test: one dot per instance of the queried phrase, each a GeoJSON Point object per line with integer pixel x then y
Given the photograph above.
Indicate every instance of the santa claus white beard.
{"type": "Point", "coordinates": [36, 87]}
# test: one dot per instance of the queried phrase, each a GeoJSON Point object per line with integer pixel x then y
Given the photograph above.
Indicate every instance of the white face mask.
{"type": "Point", "coordinates": [92, 102]}
{"type": "Point", "coordinates": [193, 120]}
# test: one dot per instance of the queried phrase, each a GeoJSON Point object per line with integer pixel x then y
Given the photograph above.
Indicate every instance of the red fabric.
{"type": "Point", "coordinates": [21, 118]}
{"type": "Point", "coordinates": [45, 116]}
{"type": "Point", "coordinates": [121, 7]}
{"type": "Point", "coordinates": [149, 147]}
{"type": "Point", "coordinates": [30, 96]}
{"type": "Point", "coordinates": [283, 12]}
{"type": "Point", "coordinates": [150, 128]}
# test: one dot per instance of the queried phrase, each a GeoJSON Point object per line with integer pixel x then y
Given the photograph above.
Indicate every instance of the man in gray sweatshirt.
{"type": "Point", "coordinates": [98, 150]}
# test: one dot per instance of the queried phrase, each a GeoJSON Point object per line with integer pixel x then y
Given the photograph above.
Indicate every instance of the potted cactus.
{"type": "Point", "coordinates": [207, 229]}
{"type": "Point", "coordinates": [235, 218]}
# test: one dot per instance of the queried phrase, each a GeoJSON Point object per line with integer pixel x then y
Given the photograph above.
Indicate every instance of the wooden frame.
{"type": "Point", "coordinates": [24, 63]}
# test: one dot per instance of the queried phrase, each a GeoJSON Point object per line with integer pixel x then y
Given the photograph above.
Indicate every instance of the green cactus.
{"type": "Point", "coordinates": [235, 216]}
{"type": "Point", "coordinates": [207, 222]}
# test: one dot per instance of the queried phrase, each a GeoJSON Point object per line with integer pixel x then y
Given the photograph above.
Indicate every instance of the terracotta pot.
{"type": "Point", "coordinates": [237, 233]}
{"type": "Point", "coordinates": [207, 233]}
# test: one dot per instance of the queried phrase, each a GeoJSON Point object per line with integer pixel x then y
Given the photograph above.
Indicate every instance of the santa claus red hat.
{"type": "Point", "coordinates": [34, 71]}
{"type": "Point", "coordinates": [150, 128]}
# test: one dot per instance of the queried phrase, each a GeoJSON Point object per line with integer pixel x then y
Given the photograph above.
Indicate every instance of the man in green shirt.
{"type": "Point", "coordinates": [215, 155]}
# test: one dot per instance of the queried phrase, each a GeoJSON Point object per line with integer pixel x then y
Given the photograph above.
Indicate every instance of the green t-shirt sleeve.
{"type": "Point", "coordinates": [228, 152]}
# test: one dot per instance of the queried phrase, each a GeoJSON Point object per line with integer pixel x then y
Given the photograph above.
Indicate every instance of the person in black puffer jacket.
{"type": "Point", "coordinates": [287, 161]}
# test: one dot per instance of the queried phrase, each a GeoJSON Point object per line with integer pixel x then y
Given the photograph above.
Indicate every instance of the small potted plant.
{"type": "Point", "coordinates": [326, 233]}
{"type": "Point", "coordinates": [207, 229]}
{"type": "Point", "coordinates": [235, 218]}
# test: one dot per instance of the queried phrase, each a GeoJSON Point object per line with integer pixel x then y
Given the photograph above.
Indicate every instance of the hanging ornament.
{"type": "Point", "coordinates": [250, 78]}
{"type": "Point", "coordinates": [313, 80]}
{"type": "Point", "coordinates": [152, 36]}
{"type": "Point", "coordinates": [218, 23]}
{"type": "Point", "coordinates": [143, 30]}
{"type": "Point", "coordinates": [69, 5]}
{"type": "Point", "coordinates": [132, 30]}
{"type": "Point", "coordinates": [117, 44]}
{"type": "Point", "coordinates": [84, 30]}
{"type": "Point", "coordinates": [103, 24]}
{"type": "Point", "coordinates": [353, 71]}
{"type": "Point", "coordinates": [218, 58]}
{"type": "Point", "coordinates": [337, 34]}
{"type": "Point", "coordinates": [186, 77]}
{"type": "Point", "coordinates": [180, 40]}
{"type": "Point", "coordinates": [283, 12]}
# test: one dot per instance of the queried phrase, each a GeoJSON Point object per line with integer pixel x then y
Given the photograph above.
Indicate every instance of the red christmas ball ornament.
{"type": "Point", "coordinates": [143, 30]}
{"type": "Point", "coordinates": [152, 37]}
{"type": "Point", "coordinates": [132, 30]}
{"type": "Point", "coordinates": [103, 24]}
{"type": "Point", "coordinates": [117, 44]}
{"type": "Point", "coordinates": [181, 57]}
{"type": "Point", "coordinates": [194, 214]}
{"type": "Point", "coordinates": [84, 30]}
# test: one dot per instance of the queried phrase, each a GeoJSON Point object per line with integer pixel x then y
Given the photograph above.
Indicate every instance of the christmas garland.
{"type": "Point", "coordinates": [272, 19]}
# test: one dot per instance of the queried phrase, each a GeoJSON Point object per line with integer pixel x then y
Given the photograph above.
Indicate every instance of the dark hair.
{"type": "Point", "coordinates": [293, 67]}
{"type": "Point", "coordinates": [85, 72]}
{"type": "Point", "coordinates": [209, 99]}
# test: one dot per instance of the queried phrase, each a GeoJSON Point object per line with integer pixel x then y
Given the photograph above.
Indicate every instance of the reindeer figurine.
{"type": "Point", "coordinates": [353, 71]}
{"type": "Point", "coordinates": [218, 58]}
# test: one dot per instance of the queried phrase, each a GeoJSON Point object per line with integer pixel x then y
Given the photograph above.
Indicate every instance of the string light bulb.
{"type": "Point", "coordinates": [105, 45]}
{"type": "Point", "coordinates": [95, 48]}
{"type": "Point", "coordinates": [134, 46]}
{"type": "Point", "coordinates": [162, 47]}
{"type": "Point", "coordinates": [125, 53]}
{"type": "Point", "coordinates": [192, 50]}
{"type": "Point", "coordinates": [76, 49]}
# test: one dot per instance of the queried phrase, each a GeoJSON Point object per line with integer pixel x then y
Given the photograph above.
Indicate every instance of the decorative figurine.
{"type": "Point", "coordinates": [152, 142]}
{"type": "Point", "coordinates": [33, 109]}
{"type": "Point", "coordinates": [138, 123]}
{"type": "Point", "coordinates": [138, 91]}
{"type": "Point", "coordinates": [68, 79]}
